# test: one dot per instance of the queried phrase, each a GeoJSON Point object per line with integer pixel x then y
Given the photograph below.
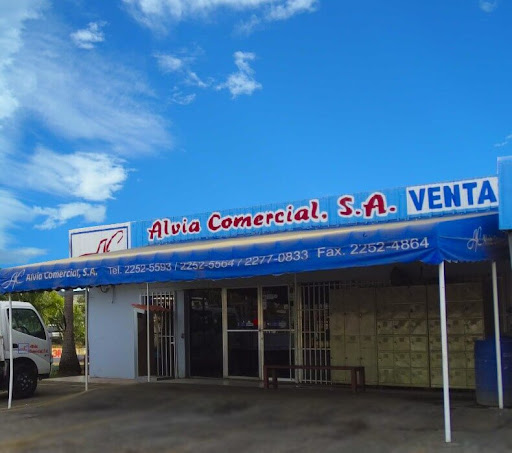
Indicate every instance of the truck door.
{"type": "Point", "coordinates": [30, 338]}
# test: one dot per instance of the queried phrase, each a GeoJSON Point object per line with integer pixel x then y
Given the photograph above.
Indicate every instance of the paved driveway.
{"type": "Point", "coordinates": [170, 417]}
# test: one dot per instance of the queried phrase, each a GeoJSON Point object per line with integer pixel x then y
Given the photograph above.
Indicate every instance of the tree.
{"type": "Point", "coordinates": [50, 306]}
{"type": "Point", "coordinates": [79, 320]}
{"type": "Point", "coordinates": [69, 364]}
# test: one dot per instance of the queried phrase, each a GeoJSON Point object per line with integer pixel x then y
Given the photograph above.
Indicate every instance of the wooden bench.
{"type": "Point", "coordinates": [356, 373]}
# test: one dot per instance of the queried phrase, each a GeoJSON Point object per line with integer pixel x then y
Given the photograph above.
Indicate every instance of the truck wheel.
{"type": "Point", "coordinates": [25, 380]}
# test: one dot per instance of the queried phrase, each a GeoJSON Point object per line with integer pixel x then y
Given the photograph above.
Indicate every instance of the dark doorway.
{"type": "Point", "coordinates": [205, 332]}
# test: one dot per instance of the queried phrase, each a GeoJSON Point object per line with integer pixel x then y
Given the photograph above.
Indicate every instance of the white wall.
{"type": "Point", "coordinates": [112, 331]}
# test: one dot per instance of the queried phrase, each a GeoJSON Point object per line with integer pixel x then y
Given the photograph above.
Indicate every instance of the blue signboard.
{"type": "Point", "coordinates": [474, 238]}
{"type": "Point", "coordinates": [406, 203]}
{"type": "Point", "coordinates": [432, 200]}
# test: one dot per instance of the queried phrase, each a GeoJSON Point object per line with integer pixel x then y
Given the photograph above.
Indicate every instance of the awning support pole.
{"type": "Point", "coordinates": [497, 333]}
{"type": "Point", "coordinates": [298, 373]}
{"type": "Point", "coordinates": [11, 368]}
{"type": "Point", "coordinates": [86, 322]}
{"type": "Point", "coordinates": [444, 348]}
{"type": "Point", "coordinates": [147, 332]}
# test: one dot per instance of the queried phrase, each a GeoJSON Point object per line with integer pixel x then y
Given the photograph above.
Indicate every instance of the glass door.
{"type": "Point", "coordinates": [205, 324]}
{"type": "Point", "coordinates": [260, 330]}
{"type": "Point", "coordinates": [242, 332]}
{"type": "Point", "coordinates": [278, 329]}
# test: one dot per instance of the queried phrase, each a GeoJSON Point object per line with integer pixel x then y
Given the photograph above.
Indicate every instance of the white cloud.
{"type": "Point", "coordinates": [20, 255]}
{"type": "Point", "coordinates": [277, 11]}
{"type": "Point", "coordinates": [60, 215]}
{"type": "Point", "coordinates": [8, 103]}
{"type": "Point", "coordinates": [182, 99]}
{"type": "Point", "coordinates": [289, 8]}
{"type": "Point", "coordinates": [505, 142]}
{"type": "Point", "coordinates": [13, 16]}
{"type": "Point", "coordinates": [170, 63]}
{"type": "Point", "coordinates": [488, 6]}
{"type": "Point", "coordinates": [156, 13]}
{"type": "Point", "coordinates": [74, 98]}
{"type": "Point", "coordinates": [246, 27]}
{"type": "Point", "coordinates": [193, 79]}
{"type": "Point", "coordinates": [241, 61]}
{"type": "Point", "coordinates": [242, 81]}
{"type": "Point", "coordinates": [86, 38]}
{"type": "Point", "coordinates": [79, 100]}
{"type": "Point", "coordinates": [14, 213]}
{"type": "Point", "coordinates": [89, 176]}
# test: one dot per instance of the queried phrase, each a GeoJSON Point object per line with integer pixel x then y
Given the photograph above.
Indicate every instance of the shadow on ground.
{"type": "Point", "coordinates": [170, 417]}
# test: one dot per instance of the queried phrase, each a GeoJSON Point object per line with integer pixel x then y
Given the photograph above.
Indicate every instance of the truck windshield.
{"type": "Point", "coordinates": [26, 321]}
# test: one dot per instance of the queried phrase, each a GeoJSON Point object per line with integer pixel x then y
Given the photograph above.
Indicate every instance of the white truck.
{"type": "Point", "coordinates": [32, 348]}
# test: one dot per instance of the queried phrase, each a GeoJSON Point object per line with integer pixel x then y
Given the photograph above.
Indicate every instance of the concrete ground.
{"type": "Point", "coordinates": [176, 417]}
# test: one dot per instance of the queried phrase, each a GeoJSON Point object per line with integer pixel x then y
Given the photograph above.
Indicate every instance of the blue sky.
{"type": "Point", "coordinates": [138, 109]}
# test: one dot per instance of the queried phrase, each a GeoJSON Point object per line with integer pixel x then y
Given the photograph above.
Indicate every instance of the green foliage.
{"type": "Point", "coordinates": [79, 320]}
{"type": "Point", "coordinates": [50, 305]}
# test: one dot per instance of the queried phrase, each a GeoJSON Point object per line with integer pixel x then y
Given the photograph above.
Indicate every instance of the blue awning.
{"type": "Point", "coordinates": [460, 239]}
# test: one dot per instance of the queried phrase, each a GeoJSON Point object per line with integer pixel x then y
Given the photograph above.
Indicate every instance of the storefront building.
{"type": "Point", "coordinates": [352, 279]}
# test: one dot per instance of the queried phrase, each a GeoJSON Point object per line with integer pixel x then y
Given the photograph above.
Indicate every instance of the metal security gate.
{"type": "Point", "coordinates": [162, 333]}
{"type": "Point", "coordinates": [313, 338]}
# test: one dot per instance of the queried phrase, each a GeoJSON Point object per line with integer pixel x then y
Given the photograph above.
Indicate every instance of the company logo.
{"type": "Point", "coordinates": [105, 244]}
{"type": "Point", "coordinates": [23, 348]}
{"type": "Point", "coordinates": [16, 279]}
{"type": "Point", "coordinates": [455, 196]}
{"type": "Point", "coordinates": [480, 239]}
{"type": "Point", "coordinates": [99, 240]}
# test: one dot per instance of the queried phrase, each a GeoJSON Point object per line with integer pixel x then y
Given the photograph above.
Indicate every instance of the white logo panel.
{"type": "Point", "coordinates": [99, 240]}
